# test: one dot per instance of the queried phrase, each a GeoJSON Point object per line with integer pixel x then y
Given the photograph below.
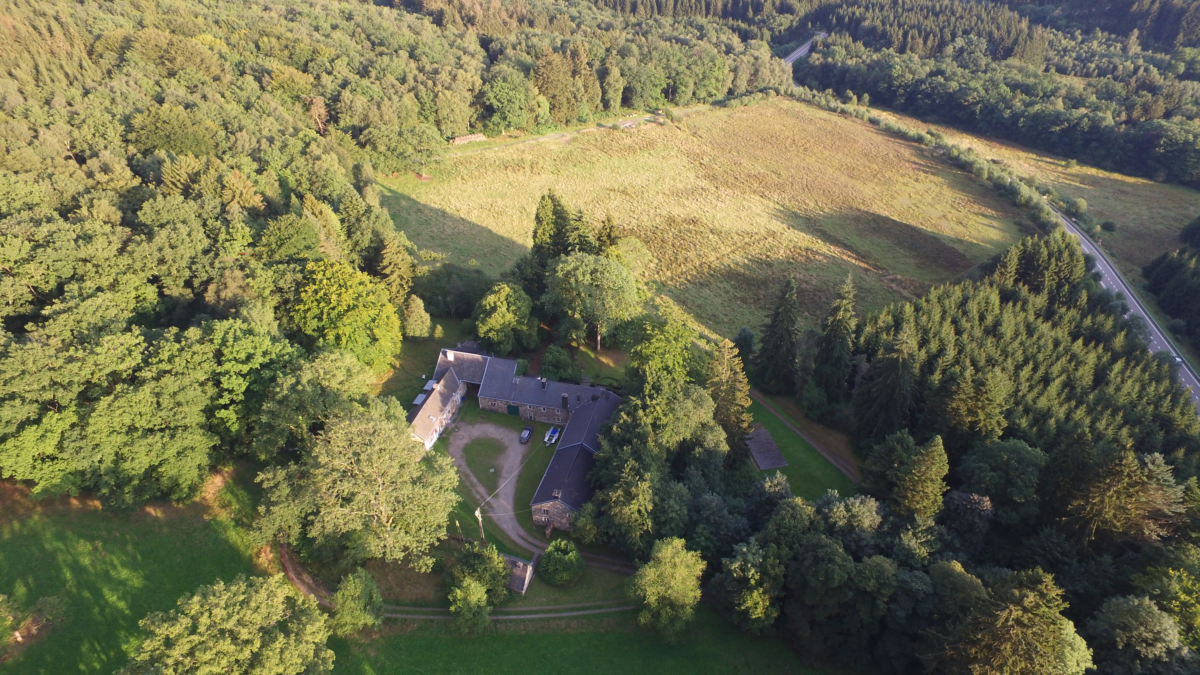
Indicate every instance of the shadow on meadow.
{"type": "Point", "coordinates": [443, 232]}
{"type": "Point", "coordinates": [112, 569]}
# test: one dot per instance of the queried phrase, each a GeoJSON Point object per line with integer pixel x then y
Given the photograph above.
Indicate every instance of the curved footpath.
{"type": "Point", "coordinates": [1112, 280]}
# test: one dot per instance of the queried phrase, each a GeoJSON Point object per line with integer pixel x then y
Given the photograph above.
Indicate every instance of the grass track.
{"type": "Point", "coordinates": [809, 474]}
{"type": "Point", "coordinates": [604, 644]}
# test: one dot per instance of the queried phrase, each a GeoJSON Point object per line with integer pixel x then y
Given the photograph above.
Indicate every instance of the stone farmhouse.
{"type": "Point", "coordinates": [580, 408]}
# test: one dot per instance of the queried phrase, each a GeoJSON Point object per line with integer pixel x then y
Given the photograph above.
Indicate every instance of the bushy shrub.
{"type": "Point", "coordinates": [357, 604]}
{"type": "Point", "coordinates": [561, 563]}
{"type": "Point", "coordinates": [558, 366]}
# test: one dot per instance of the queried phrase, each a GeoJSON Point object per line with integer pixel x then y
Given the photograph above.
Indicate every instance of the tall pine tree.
{"type": "Point", "coordinates": [831, 367]}
{"type": "Point", "coordinates": [731, 393]}
{"type": "Point", "coordinates": [775, 365]}
{"type": "Point", "coordinates": [396, 268]}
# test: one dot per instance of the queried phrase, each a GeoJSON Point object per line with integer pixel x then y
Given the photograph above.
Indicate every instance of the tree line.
{"type": "Point", "coordinates": [1170, 24]}
{"type": "Point", "coordinates": [1109, 127]}
{"type": "Point", "coordinates": [1020, 441]}
{"type": "Point", "coordinates": [1174, 279]}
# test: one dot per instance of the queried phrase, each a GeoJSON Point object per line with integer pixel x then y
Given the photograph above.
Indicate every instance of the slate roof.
{"type": "Point", "coordinates": [763, 451]}
{"type": "Point", "coordinates": [567, 474]}
{"type": "Point", "coordinates": [439, 398]}
{"type": "Point", "coordinates": [584, 426]}
{"type": "Point", "coordinates": [468, 367]}
{"type": "Point", "coordinates": [497, 378]}
{"type": "Point", "coordinates": [520, 572]}
{"type": "Point", "coordinates": [501, 382]}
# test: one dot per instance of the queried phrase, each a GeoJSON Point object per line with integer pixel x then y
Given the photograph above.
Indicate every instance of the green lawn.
{"type": "Point", "coordinates": [607, 644]}
{"type": "Point", "coordinates": [483, 458]}
{"type": "Point", "coordinates": [593, 585]}
{"type": "Point", "coordinates": [418, 358]}
{"type": "Point", "coordinates": [809, 474]}
{"type": "Point", "coordinates": [112, 569]}
{"type": "Point", "coordinates": [606, 368]}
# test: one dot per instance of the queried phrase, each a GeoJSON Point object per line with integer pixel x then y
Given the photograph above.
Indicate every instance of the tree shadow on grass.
{"type": "Point", "coordinates": [889, 261]}
{"type": "Point", "coordinates": [462, 240]}
{"type": "Point", "coordinates": [112, 570]}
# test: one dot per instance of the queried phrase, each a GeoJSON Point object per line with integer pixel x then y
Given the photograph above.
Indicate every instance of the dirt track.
{"type": "Point", "coordinates": [500, 507]}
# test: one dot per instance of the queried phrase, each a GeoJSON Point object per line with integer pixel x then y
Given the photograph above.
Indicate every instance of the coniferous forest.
{"type": "Point", "coordinates": [1029, 490]}
{"type": "Point", "coordinates": [1174, 279]}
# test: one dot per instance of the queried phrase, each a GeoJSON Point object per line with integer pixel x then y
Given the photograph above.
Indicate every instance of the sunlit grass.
{"type": "Point", "coordinates": [808, 473]}
{"type": "Point", "coordinates": [113, 569]}
{"type": "Point", "coordinates": [728, 202]}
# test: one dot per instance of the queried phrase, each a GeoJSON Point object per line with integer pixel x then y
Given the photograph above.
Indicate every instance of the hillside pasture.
{"type": "Point", "coordinates": [729, 201]}
{"type": "Point", "coordinates": [1148, 215]}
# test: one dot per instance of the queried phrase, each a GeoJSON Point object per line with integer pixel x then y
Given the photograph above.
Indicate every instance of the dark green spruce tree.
{"type": "Point", "coordinates": [775, 364]}
{"type": "Point", "coordinates": [832, 364]}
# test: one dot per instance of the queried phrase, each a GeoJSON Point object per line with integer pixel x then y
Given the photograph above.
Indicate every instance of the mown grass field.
{"type": "Point", "coordinates": [729, 201]}
{"type": "Point", "coordinates": [113, 569]}
{"type": "Point", "coordinates": [607, 644]}
{"type": "Point", "coordinates": [808, 473]}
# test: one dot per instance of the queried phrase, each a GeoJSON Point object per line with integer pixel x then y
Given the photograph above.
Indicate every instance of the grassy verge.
{"type": "Point", "coordinates": [831, 440]}
{"type": "Point", "coordinates": [809, 474]}
{"type": "Point", "coordinates": [605, 644]}
{"type": "Point", "coordinates": [593, 585]}
{"type": "Point", "coordinates": [112, 569]}
{"type": "Point", "coordinates": [537, 460]}
{"type": "Point", "coordinates": [1148, 215]}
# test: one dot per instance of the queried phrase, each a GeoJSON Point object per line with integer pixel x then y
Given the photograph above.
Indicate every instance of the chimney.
{"type": "Point", "coordinates": [566, 400]}
{"type": "Point", "coordinates": [449, 355]}
{"type": "Point", "coordinates": [543, 383]}
{"type": "Point", "coordinates": [595, 397]}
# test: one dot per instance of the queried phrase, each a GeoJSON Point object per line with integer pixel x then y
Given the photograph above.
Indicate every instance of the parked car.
{"type": "Point", "coordinates": [526, 434]}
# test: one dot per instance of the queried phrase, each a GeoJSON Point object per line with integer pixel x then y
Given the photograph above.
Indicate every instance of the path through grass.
{"type": "Point", "coordinates": [809, 474]}
{"type": "Point", "coordinates": [607, 644]}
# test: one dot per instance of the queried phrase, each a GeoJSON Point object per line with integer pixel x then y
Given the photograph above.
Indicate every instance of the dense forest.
{"type": "Point", "coordinates": [183, 193]}
{"type": "Point", "coordinates": [1169, 24]}
{"type": "Point", "coordinates": [1029, 486]}
{"type": "Point", "coordinates": [991, 70]}
{"type": "Point", "coordinates": [1174, 279]}
{"type": "Point", "coordinates": [197, 270]}
{"type": "Point", "coordinates": [1141, 127]}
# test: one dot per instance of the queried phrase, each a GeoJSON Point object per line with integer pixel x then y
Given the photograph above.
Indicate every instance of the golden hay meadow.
{"type": "Point", "coordinates": [729, 201]}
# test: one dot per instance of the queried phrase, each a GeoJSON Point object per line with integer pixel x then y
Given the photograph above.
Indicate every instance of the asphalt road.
{"type": "Point", "coordinates": [1112, 281]}
{"type": "Point", "coordinates": [804, 49]}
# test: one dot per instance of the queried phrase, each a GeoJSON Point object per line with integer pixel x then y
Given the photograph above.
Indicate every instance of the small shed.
{"type": "Point", "coordinates": [764, 451]}
{"type": "Point", "coordinates": [520, 572]}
